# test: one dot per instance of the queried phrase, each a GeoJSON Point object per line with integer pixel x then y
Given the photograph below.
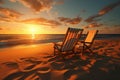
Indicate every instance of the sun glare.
{"type": "Point", "coordinates": [33, 31]}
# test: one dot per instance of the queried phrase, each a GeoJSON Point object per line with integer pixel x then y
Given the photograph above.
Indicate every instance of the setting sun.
{"type": "Point", "coordinates": [33, 30]}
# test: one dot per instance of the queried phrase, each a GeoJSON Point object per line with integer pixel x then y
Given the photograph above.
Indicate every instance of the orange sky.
{"type": "Point", "coordinates": [55, 16]}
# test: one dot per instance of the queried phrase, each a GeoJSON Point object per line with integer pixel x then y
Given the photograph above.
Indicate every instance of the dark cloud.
{"type": "Point", "coordinates": [63, 19]}
{"type": "Point", "coordinates": [9, 13]}
{"type": "Point", "coordinates": [38, 5]}
{"type": "Point", "coordinates": [92, 18]}
{"type": "Point", "coordinates": [103, 12]}
{"type": "Point", "coordinates": [3, 18]}
{"type": "Point", "coordinates": [108, 8]}
{"type": "Point", "coordinates": [72, 21]}
{"type": "Point", "coordinates": [117, 25]}
{"type": "Point", "coordinates": [42, 21]}
{"type": "Point", "coordinates": [1, 2]}
{"type": "Point", "coordinates": [60, 2]}
{"type": "Point", "coordinates": [93, 25]}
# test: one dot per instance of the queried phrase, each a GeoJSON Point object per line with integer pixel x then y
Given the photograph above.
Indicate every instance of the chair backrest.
{"type": "Point", "coordinates": [91, 36]}
{"type": "Point", "coordinates": [71, 38]}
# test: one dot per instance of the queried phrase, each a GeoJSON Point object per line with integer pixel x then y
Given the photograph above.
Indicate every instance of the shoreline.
{"type": "Point", "coordinates": [43, 42]}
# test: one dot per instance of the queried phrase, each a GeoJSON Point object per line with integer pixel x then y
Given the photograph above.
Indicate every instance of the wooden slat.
{"type": "Point", "coordinates": [91, 35]}
{"type": "Point", "coordinates": [71, 38]}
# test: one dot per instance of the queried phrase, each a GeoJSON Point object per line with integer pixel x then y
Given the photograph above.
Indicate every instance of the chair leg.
{"type": "Point", "coordinates": [54, 52]}
{"type": "Point", "coordinates": [91, 52]}
{"type": "Point", "coordinates": [60, 53]}
{"type": "Point", "coordinates": [63, 57]}
{"type": "Point", "coordinates": [83, 50]}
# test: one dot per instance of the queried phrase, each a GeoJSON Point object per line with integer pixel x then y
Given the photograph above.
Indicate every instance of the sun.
{"type": "Point", "coordinates": [33, 30]}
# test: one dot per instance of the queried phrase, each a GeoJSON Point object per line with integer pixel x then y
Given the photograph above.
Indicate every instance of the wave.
{"type": "Point", "coordinates": [8, 40]}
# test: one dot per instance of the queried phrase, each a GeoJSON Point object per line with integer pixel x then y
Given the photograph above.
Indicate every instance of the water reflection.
{"type": "Point", "coordinates": [33, 36]}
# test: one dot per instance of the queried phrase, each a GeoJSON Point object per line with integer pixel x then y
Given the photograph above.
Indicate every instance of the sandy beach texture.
{"type": "Point", "coordinates": [36, 62]}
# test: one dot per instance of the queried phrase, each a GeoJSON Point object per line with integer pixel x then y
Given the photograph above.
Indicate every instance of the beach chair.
{"type": "Point", "coordinates": [87, 43]}
{"type": "Point", "coordinates": [71, 38]}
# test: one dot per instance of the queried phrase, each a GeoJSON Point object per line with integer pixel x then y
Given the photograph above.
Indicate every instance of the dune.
{"type": "Point", "coordinates": [36, 62]}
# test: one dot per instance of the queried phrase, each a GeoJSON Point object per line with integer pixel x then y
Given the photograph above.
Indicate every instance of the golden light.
{"type": "Point", "coordinates": [33, 36]}
{"type": "Point", "coordinates": [33, 30]}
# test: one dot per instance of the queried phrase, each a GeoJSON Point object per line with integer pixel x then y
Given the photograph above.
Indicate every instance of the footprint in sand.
{"type": "Point", "coordinates": [58, 65]}
{"type": "Point", "coordinates": [30, 60]}
{"type": "Point", "coordinates": [11, 64]}
{"type": "Point", "coordinates": [32, 72]}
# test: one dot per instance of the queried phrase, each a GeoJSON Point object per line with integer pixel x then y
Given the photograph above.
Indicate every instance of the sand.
{"type": "Point", "coordinates": [36, 62]}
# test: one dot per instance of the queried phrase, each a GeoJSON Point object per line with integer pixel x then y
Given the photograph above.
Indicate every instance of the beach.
{"type": "Point", "coordinates": [59, 39]}
{"type": "Point", "coordinates": [37, 62]}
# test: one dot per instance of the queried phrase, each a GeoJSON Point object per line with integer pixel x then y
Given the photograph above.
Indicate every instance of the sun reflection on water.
{"type": "Point", "coordinates": [33, 36]}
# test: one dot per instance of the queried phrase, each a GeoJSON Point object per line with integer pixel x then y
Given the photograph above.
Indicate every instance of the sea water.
{"type": "Point", "coordinates": [9, 40]}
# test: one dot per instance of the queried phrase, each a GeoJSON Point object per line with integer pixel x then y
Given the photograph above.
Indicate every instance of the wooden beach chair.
{"type": "Point", "coordinates": [71, 38]}
{"type": "Point", "coordinates": [87, 43]}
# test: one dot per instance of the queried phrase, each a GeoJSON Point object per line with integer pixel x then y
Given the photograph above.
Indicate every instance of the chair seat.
{"type": "Point", "coordinates": [81, 43]}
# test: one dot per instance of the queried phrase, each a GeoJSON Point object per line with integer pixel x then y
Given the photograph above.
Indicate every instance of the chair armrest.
{"type": "Point", "coordinates": [79, 42]}
{"type": "Point", "coordinates": [57, 44]}
{"type": "Point", "coordinates": [85, 42]}
{"type": "Point", "coordinates": [88, 42]}
{"type": "Point", "coordinates": [82, 41]}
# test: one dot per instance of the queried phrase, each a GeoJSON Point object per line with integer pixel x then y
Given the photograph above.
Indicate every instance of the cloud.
{"type": "Point", "coordinates": [4, 19]}
{"type": "Point", "coordinates": [9, 13]}
{"type": "Point", "coordinates": [12, 0]}
{"type": "Point", "coordinates": [108, 8]}
{"type": "Point", "coordinates": [102, 12]}
{"type": "Point", "coordinates": [1, 2]}
{"type": "Point", "coordinates": [1, 28]}
{"type": "Point", "coordinates": [93, 25]}
{"type": "Point", "coordinates": [37, 5]}
{"type": "Point", "coordinates": [72, 21]}
{"type": "Point", "coordinates": [117, 25]}
{"type": "Point", "coordinates": [42, 21]}
{"type": "Point", "coordinates": [60, 2]}
{"type": "Point", "coordinates": [92, 18]}
{"type": "Point", "coordinates": [111, 30]}
{"type": "Point", "coordinates": [116, 30]}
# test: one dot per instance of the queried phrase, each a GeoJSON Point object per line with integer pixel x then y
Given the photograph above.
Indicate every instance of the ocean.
{"type": "Point", "coordinates": [9, 40]}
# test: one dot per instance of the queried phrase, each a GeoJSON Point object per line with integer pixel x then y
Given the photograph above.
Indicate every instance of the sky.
{"type": "Point", "coordinates": [55, 16]}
